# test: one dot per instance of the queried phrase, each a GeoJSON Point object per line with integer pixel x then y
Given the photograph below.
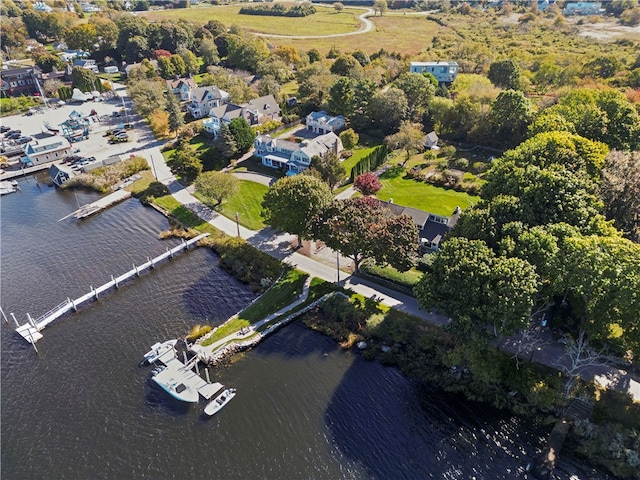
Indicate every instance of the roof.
{"type": "Point", "coordinates": [279, 143]}
{"type": "Point", "coordinates": [432, 137]}
{"type": "Point", "coordinates": [200, 93]}
{"type": "Point", "coordinates": [264, 105]}
{"type": "Point", "coordinates": [47, 144]}
{"type": "Point", "coordinates": [324, 117]}
{"type": "Point", "coordinates": [433, 64]}
{"type": "Point", "coordinates": [320, 145]}
{"type": "Point", "coordinates": [419, 217]}
{"type": "Point", "coordinates": [227, 110]}
{"type": "Point", "coordinates": [178, 82]}
{"type": "Point", "coordinates": [21, 71]}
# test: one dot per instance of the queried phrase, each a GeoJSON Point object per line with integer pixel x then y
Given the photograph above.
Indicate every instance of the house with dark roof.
{"type": "Point", "coordinates": [255, 112]}
{"type": "Point", "coordinates": [21, 81]}
{"type": "Point", "coordinates": [292, 156]}
{"type": "Point", "coordinates": [432, 228]}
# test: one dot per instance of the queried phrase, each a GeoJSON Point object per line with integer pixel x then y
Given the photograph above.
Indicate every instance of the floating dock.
{"type": "Point", "coordinates": [30, 331]}
{"type": "Point", "coordinates": [99, 205]}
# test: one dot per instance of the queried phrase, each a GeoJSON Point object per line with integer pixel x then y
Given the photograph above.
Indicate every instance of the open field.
{"type": "Point", "coordinates": [248, 203]}
{"type": "Point", "coordinates": [326, 21]}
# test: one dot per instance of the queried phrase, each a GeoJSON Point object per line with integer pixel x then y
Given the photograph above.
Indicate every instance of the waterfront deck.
{"type": "Point", "coordinates": [30, 331]}
{"type": "Point", "coordinates": [101, 204]}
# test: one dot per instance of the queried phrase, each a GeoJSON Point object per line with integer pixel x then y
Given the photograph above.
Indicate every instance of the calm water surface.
{"type": "Point", "coordinates": [84, 409]}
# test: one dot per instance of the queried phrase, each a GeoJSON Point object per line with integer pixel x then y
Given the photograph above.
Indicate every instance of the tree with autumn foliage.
{"type": "Point", "coordinates": [367, 183]}
{"type": "Point", "coordinates": [364, 228]}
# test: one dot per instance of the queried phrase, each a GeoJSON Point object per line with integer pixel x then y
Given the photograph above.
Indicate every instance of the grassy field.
{"type": "Point", "coordinates": [199, 143]}
{"type": "Point", "coordinates": [248, 203]}
{"type": "Point", "coordinates": [325, 21]}
{"type": "Point", "coordinates": [420, 195]}
{"type": "Point", "coordinates": [185, 216]}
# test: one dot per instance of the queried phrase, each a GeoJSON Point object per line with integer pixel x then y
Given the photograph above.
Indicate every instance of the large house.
{"type": "Point", "coordinates": [322, 122]}
{"type": "Point", "coordinates": [182, 87]}
{"type": "Point", "coordinates": [255, 112]}
{"type": "Point", "coordinates": [88, 63]}
{"type": "Point", "coordinates": [46, 150]}
{"type": "Point", "coordinates": [203, 99]}
{"type": "Point", "coordinates": [21, 81]}
{"type": "Point", "coordinates": [432, 228]}
{"type": "Point", "coordinates": [445, 72]}
{"type": "Point", "coordinates": [292, 156]}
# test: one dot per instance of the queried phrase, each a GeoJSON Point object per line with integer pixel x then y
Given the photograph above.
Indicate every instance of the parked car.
{"type": "Point", "coordinates": [24, 139]}
{"type": "Point", "coordinates": [15, 135]}
{"type": "Point", "coordinates": [12, 132]}
{"type": "Point", "coordinates": [5, 128]}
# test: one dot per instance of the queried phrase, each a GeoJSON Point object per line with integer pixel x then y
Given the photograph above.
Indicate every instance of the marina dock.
{"type": "Point", "coordinates": [30, 331]}
{"type": "Point", "coordinates": [99, 205]}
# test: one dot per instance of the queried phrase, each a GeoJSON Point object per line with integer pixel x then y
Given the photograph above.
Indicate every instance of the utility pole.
{"type": "Point", "coordinates": [238, 224]}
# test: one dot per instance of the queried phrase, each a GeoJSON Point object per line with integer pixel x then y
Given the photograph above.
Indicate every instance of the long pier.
{"type": "Point", "coordinates": [30, 331]}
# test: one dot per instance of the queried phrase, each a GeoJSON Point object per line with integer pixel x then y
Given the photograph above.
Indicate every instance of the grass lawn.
{"type": "Point", "coordinates": [325, 21]}
{"type": "Point", "coordinates": [406, 279]}
{"type": "Point", "coordinates": [248, 203]}
{"type": "Point", "coordinates": [289, 89]}
{"type": "Point", "coordinates": [199, 143]}
{"type": "Point", "coordinates": [188, 218]}
{"type": "Point", "coordinates": [422, 196]}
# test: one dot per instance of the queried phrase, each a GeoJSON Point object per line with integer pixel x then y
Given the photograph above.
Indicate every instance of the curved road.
{"type": "Point", "coordinates": [367, 27]}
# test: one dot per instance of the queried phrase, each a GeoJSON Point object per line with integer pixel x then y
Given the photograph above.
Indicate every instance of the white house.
{"type": "Point", "coordinates": [203, 99]}
{"type": "Point", "coordinates": [322, 122]}
{"type": "Point", "coordinates": [88, 63]}
{"type": "Point", "coordinates": [292, 156]}
{"type": "Point", "coordinates": [431, 141]}
{"type": "Point", "coordinates": [255, 112]}
{"type": "Point", "coordinates": [445, 72]}
{"type": "Point", "coordinates": [46, 150]}
{"type": "Point", "coordinates": [182, 87]}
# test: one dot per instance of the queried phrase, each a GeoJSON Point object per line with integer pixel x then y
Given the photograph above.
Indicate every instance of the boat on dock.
{"type": "Point", "coordinates": [215, 405]}
{"type": "Point", "coordinates": [158, 350]}
{"type": "Point", "coordinates": [172, 381]}
{"type": "Point", "coordinates": [8, 187]}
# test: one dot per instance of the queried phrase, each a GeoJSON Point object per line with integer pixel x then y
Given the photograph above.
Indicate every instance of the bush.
{"type": "Point", "coordinates": [459, 163]}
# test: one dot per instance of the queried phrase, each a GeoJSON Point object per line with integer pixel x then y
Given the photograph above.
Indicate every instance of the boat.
{"type": "Point", "coordinates": [170, 379]}
{"type": "Point", "coordinates": [215, 405]}
{"type": "Point", "coordinates": [8, 187]}
{"type": "Point", "coordinates": [158, 350]}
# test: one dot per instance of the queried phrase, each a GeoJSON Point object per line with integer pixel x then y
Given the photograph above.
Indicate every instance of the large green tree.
{"type": "Point", "coordinates": [477, 288]}
{"type": "Point", "coordinates": [215, 187]}
{"type": "Point", "coordinates": [364, 228]}
{"type": "Point", "coordinates": [419, 91]}
{"type": "Point", "coordinates": [327, 168]}
{"type": "Point", "coordinates": [176, 117]}
{"type": "Point", "coordinates": [185, 163]}
{"type": "Point", "coordinates": [510, 115]}
{"type": "Point", "coordinates": [409, 138]}
{"type": "Point", "coordinates": [291, 202]}
{"type": "Point", "coordinates": [387, 109]}
{"type": "Point", "coordinates": [243, 134]}
{"type": "Point", "coordinates": [505, 74]}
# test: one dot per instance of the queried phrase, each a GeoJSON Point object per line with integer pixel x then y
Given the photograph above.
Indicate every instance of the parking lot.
{"type": "Point", "coordinates": [97, 145]}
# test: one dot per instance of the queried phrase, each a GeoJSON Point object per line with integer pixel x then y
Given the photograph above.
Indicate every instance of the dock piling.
{"type": "Point", "coordinates": [136, 269]}
{"type": "Point", "coordinates": [4, 316]}
{"type": "Point", "coordinates": [150, 260]}
{"type": "Point", "coordinates": [115, 282]}
{"type": "Point", "coordinates": [170, 252]}
{"type": "Point", "coordinates": [73, 304]}
{"type": "Point", "coordinates": [206, 374]}
{"type": "Point", "coordinates": [95, 292]}
{"type": "Point", "coordinates": [14, 319]}
{"type": "Point", "coordinates": [30, 320]}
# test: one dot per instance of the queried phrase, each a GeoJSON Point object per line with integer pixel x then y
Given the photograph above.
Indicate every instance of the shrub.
{"type": "Point", "coordinates": [459, 163]}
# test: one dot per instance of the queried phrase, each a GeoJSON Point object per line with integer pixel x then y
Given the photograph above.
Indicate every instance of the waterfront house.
{"type": "Point", "coordinates": [21, 81]}
{"type": "Point", "coordinates": [182, 87]}
{"type": "Point", "coordinates": [203, 99]}
{"type": "Point", "coordinates": [322, 122]}
{"type": "Point", "coordinates": [291, 156]}
{"type": "Point", "coordinates": [432, 228]}
{"type": "Point", "coordinates": [46, 150]}
{"type": "Point", "coordinates": [445, 72]}
{"type": "Point", "coordinates": [60, 173]}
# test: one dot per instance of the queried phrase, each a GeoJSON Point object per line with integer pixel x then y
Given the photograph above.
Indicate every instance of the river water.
{"type": "Point", "coordinates": [84, 409]}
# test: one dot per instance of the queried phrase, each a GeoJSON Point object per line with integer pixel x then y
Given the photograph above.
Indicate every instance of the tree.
{"type": "Point", "coordinates": [42, 26]}
{"type": "Point", "coordinates": [269, 86]}
{"type": "Point", "coordinates": [147, 96]}
{"type": "Point", "coordinates": [418, 90]}
{"type": "Point", "coordinates": [505, 74]}
{"type": "Point", "coordinates": [328, 168]}
{"type": "Point", "coordinates": [47, 61]}
{"type": "Point", "coordinates": [209, 52]}
{"type": "Point", "coordinates": [51, 87]}
{"type": "Point", "coordinates": [185, 163]}
{"type": "Point", "coordinates": [178, 65]}
{"type": "Point", "coordinates": [190, 61]}
{"type": "Point", "coordinates": [176, 117]}
{"type": "Point", "coordinates": [476, 288]}
{"type": "Point", "coordinates": [12, 36]}
{"type": "Point", "coordinates": [246, 52]}
{"type": "Point", "coordinates": [620, 191]}
{"type": "Point", "coordinates": [409, 138]}
{"type": "Point", "coordinates": [380, 6]}
{"type": "Point", "coordinates": [510, 116]}
{"type": "Point", "coordinates": [339, 7]}
{"type": "Point", "coordinates": [346, 66]}
{"type": "Point", "coordinates": [83, 36]}
{"type": "Point", "coordinates": [605, 66]}
{"type": "Point", "coordinates": [165, 67]}
{"type": "Point", "coordinates": [387, 109]}
{"type": "Point", "coordinates": [349, 138]}
{"type": "Point", "coordinates": [136, 49]}
{"type": "Point", "coordinates": [291, 202]}
{"type": "Point", "coordinates": [363, 228]}
{"type": "Point", "coordinates": [243, 134]}
{"type": "Point", "coordinates": [216, 186]}
{"type": "Point", "coordinates": [84, 79]}
{"type": "Point", "coordinates": [159, 123]}
{"type": "Point", "coordinates": [367, 183]}
{"type": "Point", "coordinates": [225, 142]}
{"type": "Point", "coordinates": [106, 32]}
{"type": "Point", "coordinates": [314, 55]}
{"type": "Point", "coordinates": [288, 54]}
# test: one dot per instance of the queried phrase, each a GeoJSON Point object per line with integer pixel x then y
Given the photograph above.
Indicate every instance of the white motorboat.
{"type": "Point", "coordinates": [215, 405]}
{"type": "Point", "coordinates": [8, 187]}
{"type": "Point", "coordinates": [172, 381]}
{"type": "Point", "coordinates": [158, 350]}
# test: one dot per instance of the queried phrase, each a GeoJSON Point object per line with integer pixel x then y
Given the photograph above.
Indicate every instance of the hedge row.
{"type": "Point", "coordinates": [279, 10]}
{"type": "Point", "coordinates": [369, 163]}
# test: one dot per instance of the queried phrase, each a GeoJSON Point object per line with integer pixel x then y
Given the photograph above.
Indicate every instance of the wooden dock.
{"type": "Point", "coordinates": [30, 331]}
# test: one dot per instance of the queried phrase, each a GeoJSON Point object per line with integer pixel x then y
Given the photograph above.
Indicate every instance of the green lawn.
{"type": "Point", "coordinates": [199, 143]}
{"type": "Point", "coordinates": [248, 203]}
{"type": "Point", "coordinates": [325, 21]}
{"type": "Point", "coordinates": [358, 154]}
{"type": "Point", "coordinates": [188, 218]}
{"type": "Point", "coordinates": [406, 279]}
{"type": "Point", "coordinates": [422, 196]}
